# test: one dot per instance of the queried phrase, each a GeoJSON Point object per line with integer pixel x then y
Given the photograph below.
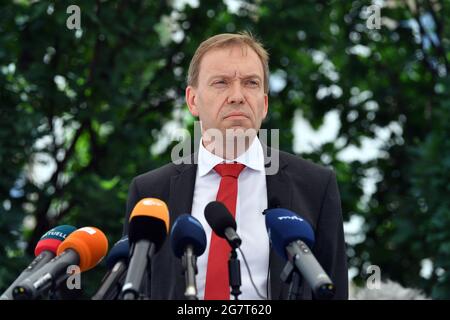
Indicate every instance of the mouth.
{"type": "Point", "coordinates": [236, 115]}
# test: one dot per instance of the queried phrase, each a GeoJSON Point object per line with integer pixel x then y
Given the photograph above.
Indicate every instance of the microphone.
{"type": "Point", "coordinates": [117, 263]}
{"type": "Point", "coordinates": [148, 228]}
{"type": "Point", "coordinates": [292, 237]}
{"type": "Point", "coordinates": [188, 240]}
{"type": "Point", "coordinates": [222, 223]}
{"type": "Point", "coordinates": [44, 252]}
{"type": "Point", "coordinates": [84, 247]}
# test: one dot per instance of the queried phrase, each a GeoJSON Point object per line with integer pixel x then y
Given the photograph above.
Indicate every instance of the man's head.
{"type": "Point", "coordinates": [228, 83]}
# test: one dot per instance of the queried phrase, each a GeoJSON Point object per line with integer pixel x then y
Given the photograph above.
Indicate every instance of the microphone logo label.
{"type": "Point", "coordinates": [290, 218]}
{"type": "Point", "coordinates": [58, 234]}
{"type": "Point", "coordinates": [43, 280]}
{"type": "Point", "coordinates": [150, 202]}
{"type": "Point", "coordinates": [89, 230]}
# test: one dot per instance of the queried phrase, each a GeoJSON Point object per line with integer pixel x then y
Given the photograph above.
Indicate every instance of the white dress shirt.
{"type": "Point", "coordinates": [251, 227]}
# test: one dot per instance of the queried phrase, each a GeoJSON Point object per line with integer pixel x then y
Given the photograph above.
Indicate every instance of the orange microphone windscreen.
{"type": "Point", "coordinates": [90, 243]}
{"type": "Point", "coordinates": [154, 208]}
{"type": "Point", "coordinates": [149, 221]}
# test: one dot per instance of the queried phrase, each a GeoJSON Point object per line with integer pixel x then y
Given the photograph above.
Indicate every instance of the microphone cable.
{"type": "Point", "coordinates": [268, 275]}
{"type": "Point", "coordinates": [250, 276]}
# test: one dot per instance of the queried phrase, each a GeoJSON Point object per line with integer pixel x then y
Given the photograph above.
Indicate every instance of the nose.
{"type": "Point", "coordinates": [236, 96]}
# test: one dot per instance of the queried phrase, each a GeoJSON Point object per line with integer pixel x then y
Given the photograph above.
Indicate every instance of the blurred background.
{"type": "Point", "coordinates": [83, 111]}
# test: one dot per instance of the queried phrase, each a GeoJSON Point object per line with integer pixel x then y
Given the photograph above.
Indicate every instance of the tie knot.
{"type": "Point", "coordinates": [229, 169]}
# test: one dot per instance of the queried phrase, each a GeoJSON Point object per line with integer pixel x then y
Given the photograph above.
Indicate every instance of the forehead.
{"type": "Point", "coordinates": [229, 60]}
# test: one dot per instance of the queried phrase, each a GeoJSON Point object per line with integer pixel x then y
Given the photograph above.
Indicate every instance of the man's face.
{"type": "Point", "coordinates": [230, 91]}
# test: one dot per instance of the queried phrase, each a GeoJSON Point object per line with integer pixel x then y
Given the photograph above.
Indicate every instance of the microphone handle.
{"type": "Point", "coordinates": [302, 257]}
{"type": "Point", "coordinates": [234, 274]}
{"type": "Point", "coordinates": [32, 287]}
{"type": "Point", "coordinates": [43, 258]}
{"type": "Point", "coordinates": [190, 270]}
{"type": "Point", "coordinates": [232, 237]}
{"type": "Point", "coordinates": [139, 263]}
{"type": "Point", "coordinates": [110, 287]}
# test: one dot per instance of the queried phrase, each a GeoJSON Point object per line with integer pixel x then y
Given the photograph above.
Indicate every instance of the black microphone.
{"type": "Point", "coordinates": [44, 252]}
{"type": "Point", "coordinates": [148, 228]}
{"type": "Point", "coordinates": [222, 223]}
{"type": "Point", "coordinates": [188, 240]}
{"type": "Point", "coordinates": [292, 237]}
{"type": "Point", "coordinates": [84, 247]}
{"type": "Point", "coordinates": [117, 263]}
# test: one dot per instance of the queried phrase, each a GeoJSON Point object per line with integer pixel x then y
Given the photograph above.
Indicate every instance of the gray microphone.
{"type": "Point", "coordinates": [292, 237]}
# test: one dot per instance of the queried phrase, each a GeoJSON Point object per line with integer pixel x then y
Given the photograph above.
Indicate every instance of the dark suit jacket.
{"type": "Point", "coordinates": [301, 186]}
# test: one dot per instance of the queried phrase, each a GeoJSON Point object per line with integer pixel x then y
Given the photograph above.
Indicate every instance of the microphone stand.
{"type": "Point", "coordinates": [234, 273]}
{"type": "Point", "coordinates": [189, 263]}
{"type": "Point", "coordinates": [52, 294]}
{"type": "Point", "coordinates": [112, 283]}
{"type": "Point", "coordinates": [131, 289]}
{"type": "Point", "coordinates": [291, 276]}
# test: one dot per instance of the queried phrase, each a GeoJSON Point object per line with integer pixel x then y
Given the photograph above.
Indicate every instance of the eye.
{"type": "Point", "coordinates": [252, 83]}
{"type": "Point", "coordinates": [219, 83]}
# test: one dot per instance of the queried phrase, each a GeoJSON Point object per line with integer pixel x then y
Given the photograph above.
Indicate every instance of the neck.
{"type": "Point", "coordinates": [229, 148]}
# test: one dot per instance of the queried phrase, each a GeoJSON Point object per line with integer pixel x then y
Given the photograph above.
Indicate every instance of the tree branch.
{"type": "Point", "coordinates": [439, 32]}
{"type": "Point", "coordinates": [427, 58]}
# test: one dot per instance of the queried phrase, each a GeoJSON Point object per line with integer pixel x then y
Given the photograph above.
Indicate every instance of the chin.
{"type": "Point", "coordinates": [237, 128]}
{"type": "Point", "coordinates": [240, 132]}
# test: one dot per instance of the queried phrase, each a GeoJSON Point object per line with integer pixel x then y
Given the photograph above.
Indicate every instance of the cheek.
{"type": "Point", "coordinates": [258, 107]}
{"type": "Point", "coordinates": [210, 106]}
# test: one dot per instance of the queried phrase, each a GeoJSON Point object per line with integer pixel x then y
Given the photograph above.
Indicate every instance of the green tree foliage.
{"type": "Point", "coordinates": [97, 106]}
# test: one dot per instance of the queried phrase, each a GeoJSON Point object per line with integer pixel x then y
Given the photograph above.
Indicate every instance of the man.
{"type": "Point", "coordinates": [228, 91]}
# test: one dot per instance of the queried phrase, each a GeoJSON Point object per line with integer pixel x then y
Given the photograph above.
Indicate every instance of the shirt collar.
{"type": "Point", "coordinates": [252, 158]}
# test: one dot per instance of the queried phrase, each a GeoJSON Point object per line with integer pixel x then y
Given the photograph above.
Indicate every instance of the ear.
{"type": "Point", "coordinates": [266, 105]}
{"type": "Point", "coordinates": [191, 100]}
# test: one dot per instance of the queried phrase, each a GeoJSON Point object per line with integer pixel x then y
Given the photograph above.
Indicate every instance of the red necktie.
{"type": "Point", "coordinates": [217, 285]}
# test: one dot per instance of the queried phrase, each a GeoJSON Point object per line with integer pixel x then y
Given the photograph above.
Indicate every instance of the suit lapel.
{"type": "Point", "coordinates": [279, 188]}
{"type": "Point", "coordinates": [182, 189]}
{"type": "Point", "coordinates": [180, 202]}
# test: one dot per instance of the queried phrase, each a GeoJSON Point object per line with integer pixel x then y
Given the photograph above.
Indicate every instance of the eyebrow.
{"type": "Point", "coordinates": [248, 76]}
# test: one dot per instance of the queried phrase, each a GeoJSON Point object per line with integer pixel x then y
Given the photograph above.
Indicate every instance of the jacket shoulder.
{"type": "Point", "coordinates": [157, 180]}
{"type": "Point", "coordinates": [163, 172]}
{"type": "Point", "coordinates": [298, 163]}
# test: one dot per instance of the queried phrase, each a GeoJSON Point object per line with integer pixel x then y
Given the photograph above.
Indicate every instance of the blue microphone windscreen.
{"type": "Point", "coordinates": [187, 230]}
{"type": "Point", "coordinates": [59, 232]}
{"type": "Point", "coordinates": [284, 227]}
{"type": "Point", "coordinates": [120, 251]}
